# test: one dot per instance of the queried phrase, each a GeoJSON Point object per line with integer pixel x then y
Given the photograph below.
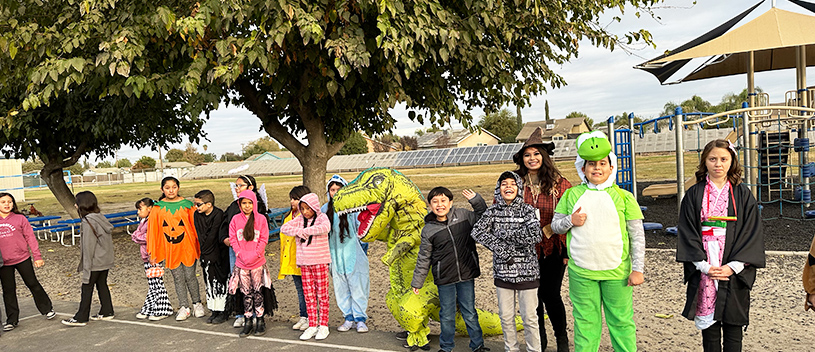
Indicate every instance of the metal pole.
{"type": "Point", "coordinates": [633, 154]}
{"type": "Point", "coordinates": [679, 128]}
{"type": "Point", "coordinates": [747, 150]}
{"type": "Point", "coordinates": [751, 82]}
{"type": "Point", "coordinates": [802, 128]}
{"type": "Point", "coordinates": [610, 125]}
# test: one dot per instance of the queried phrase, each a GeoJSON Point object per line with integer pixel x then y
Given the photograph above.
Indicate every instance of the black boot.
{"type": "Point", "coordinates": [247, 327]}
{"type": "Point", "coordinates": [562, 343]}
{"type": "Point", "coordinates": [220, 318]}
{"type": "Point", "coordinates": [212, 317]}
{"type": "Point", "coordinates": [260, 326]}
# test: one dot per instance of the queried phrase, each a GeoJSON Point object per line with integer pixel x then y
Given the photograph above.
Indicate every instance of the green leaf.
{"type": "Point", "coordinates": [332, 87]}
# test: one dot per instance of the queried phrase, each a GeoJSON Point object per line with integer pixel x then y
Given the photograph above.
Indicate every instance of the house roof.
{"type": "Point", "coordinates": [178, 165]}
{"type": "Point", "coordinates": [429, 140]}
{"type": "Point", "coordinates": [562, 126]}
{"type": "Point", "coordinates": [374, 141]}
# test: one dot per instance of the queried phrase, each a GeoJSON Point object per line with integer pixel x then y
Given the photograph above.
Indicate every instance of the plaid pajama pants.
{"type": "Point", "coordinates": [315, 288]}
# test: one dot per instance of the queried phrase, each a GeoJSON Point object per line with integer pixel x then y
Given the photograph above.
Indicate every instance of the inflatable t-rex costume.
{"type": "Point", "coordinates": [392, 210]}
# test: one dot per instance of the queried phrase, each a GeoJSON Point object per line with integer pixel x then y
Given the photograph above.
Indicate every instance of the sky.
{"type": "Point", "coordinates": [600, 83]}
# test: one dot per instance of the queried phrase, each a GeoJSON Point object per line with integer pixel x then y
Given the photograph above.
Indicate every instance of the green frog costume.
{"type": "Point", "coordinates": [603, 251]}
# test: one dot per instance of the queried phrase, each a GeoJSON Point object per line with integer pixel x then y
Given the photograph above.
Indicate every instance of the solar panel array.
{"type": "Point", "coordinates": [501, 153]}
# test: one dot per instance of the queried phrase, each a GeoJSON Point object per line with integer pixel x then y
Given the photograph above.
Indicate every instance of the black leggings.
{"type": "Point", "coordinates": [712, 338]}
{"type": "Point", "coordinates": [551, 271]}
{"type": "Point", "coordinates": [100, 280]}
{"type": "Point", "coordinates": [7, 280]}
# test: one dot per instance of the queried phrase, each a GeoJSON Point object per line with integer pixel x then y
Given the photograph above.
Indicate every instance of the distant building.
{"type": "Point", "coordinates": [456, 139]}
{"type": "Point", "coordinates": [555, 130]}
{"type": "Point", "coordinates": [11, 181]}
{"type": "Point", "coordinates": [373, 145]}
{"type": "Point", "coordinates": [180, 165]}
{"type": "Point", "coordinates": [271, 156]}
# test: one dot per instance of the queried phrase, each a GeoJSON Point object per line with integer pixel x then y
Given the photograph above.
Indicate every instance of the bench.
{"type": "Point", "coordinates": [39, 224]}
{"type": "Point", "coordinates": [276, 216]}
{"type": "Point", "coordinates": [121, 219]}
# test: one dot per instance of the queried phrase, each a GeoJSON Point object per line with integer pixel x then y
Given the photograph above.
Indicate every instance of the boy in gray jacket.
{"type": "Point", "coordinates": [448, 248]}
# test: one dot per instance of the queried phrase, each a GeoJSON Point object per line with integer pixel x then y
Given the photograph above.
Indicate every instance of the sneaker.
{"type": "Point", "coordinates": [347, 325]}
{"type": "Point", "coordinates": [50, 315]}
{"type": "Point", "coordinates": [301, 324]}
{"type": "Point", "coordinates": [101, 317]}
{"type": "Point", "coordinates": [426, 347]}
{"type": "Point", "coordinates": [157, 317]}
{"type": "Point", "coordinates": [402, 335]}
{"type": "Point", "coordinates": [238, 322]}
{"type": "Point", "coordinates": [141, 316]}
{"type": "Point", "coordinates": [199, 310]}
{"type": "Point", "coordinates": [322, 333]}
{"type": "Point", "coordinates": [361, 327]}
{"type": "Point", "coordinates": [309, 333]}
{"type": "Point", "coordinates": [9, 326]}
{"type": "Point", "coordinates": [183, 314]}
{"type": "Point", "coordinates": [72, 322]}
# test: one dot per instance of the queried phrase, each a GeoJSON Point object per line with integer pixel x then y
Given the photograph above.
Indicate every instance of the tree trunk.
{"type": "Point", "coordinates": [314, 171]}
{"type": "Point", "coordinates": [52, 174]}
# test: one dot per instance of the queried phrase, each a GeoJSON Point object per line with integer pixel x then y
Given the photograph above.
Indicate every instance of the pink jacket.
{"type": "Point", "coordinates": [16, 237]}
{"type": "Point", "coordinates": [312, 240]}
{"type": "Point", "coordinates": [140, 236]}
{"type": "Point", "coordinates": [249, 254]}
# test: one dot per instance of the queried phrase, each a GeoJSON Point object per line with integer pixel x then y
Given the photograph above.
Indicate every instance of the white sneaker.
{"type": "Point", "coordinates": [361, 327]}
{"type": "Point", "coordinates": [238, 322]}
{"type": "Point", "coordinates": [199, 310]}
{"type": "Point", "coordinates": [309, 333]}
{"type": "Point", "coordinates": [301, 324]}
{"type": "Point", "coordinates": [141, 316]}
{"type": "Point", "coordinates": [347, 325]}
{"type": "Point", "coordinates": [322, 332]}
{"type": "Point", "coordinates": [157, 317]}
{"type": "Point", "coordinates": [183, 314]}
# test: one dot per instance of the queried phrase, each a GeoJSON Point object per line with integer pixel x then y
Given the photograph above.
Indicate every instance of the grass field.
{"type": "Point", "coordinates": [480, 178]}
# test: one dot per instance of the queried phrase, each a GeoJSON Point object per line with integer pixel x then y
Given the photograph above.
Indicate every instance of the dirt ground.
{"type": "Point", "coordinates": [778, 322]}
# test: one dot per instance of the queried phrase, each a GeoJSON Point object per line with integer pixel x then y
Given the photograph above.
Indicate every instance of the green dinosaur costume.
{"type": "Point", "coordinates": [392, 210]}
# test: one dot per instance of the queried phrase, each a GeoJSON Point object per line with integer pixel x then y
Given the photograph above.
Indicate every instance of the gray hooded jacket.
{"type": "Point", "coordinates": [96, 244]}
{"type": "Point", "coordinates": [511, 231]}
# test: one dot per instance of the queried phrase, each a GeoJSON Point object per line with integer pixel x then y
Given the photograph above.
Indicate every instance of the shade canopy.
{"type": "Point", "coordinates": [773, 38]}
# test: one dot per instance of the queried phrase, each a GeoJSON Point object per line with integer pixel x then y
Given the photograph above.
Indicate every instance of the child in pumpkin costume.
{"type": "Point", "coordinates": [171, 238]}
{"type": "Point", "coordinates": [606, 247]}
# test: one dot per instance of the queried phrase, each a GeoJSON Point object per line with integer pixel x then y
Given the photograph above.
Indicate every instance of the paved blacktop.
{"type": "Point", "coordinates": [126, 333]}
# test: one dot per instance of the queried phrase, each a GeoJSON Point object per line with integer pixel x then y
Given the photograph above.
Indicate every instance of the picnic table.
{"type": "Point", "coordinates": [120, 219]}
{"type": "Point", "coordinates": [276, 216]}
{"type": "Point", "coordinates": [41, 224]}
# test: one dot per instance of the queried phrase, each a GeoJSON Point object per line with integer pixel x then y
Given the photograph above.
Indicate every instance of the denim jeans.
{"type": "Point", "coordinates": [463, 293]}
{"type": "Point", "coordinates": [298, 285]}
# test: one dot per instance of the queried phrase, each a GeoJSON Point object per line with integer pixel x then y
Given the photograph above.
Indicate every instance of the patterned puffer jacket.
{"type": "Point", "coordinates": [510, 231]}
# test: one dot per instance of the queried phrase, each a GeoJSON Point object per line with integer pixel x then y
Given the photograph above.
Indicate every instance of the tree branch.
{"type": "Point", "coordinates": [271, 125]}
{"type": "Point", "coordinates": [74, 158]}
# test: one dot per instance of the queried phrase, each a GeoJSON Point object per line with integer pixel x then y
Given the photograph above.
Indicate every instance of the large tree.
{"type": "Point", "coordinates": [502, 124]}
{"type": "Point", "coordinates": [312, 71]}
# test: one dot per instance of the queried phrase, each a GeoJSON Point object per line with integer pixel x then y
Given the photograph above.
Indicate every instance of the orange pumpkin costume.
{"type": "Point", "coordinates": [171, 235]}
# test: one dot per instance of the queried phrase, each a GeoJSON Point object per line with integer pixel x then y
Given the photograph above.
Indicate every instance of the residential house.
{"type": "Point", "coordinates": [456, 139]}
{"type": "Point", "coordinates": [271, 156]}
{"type": "Point", "coordinates": [375, 146]}
{"type": "Point", "coordinates": [555, 130]}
